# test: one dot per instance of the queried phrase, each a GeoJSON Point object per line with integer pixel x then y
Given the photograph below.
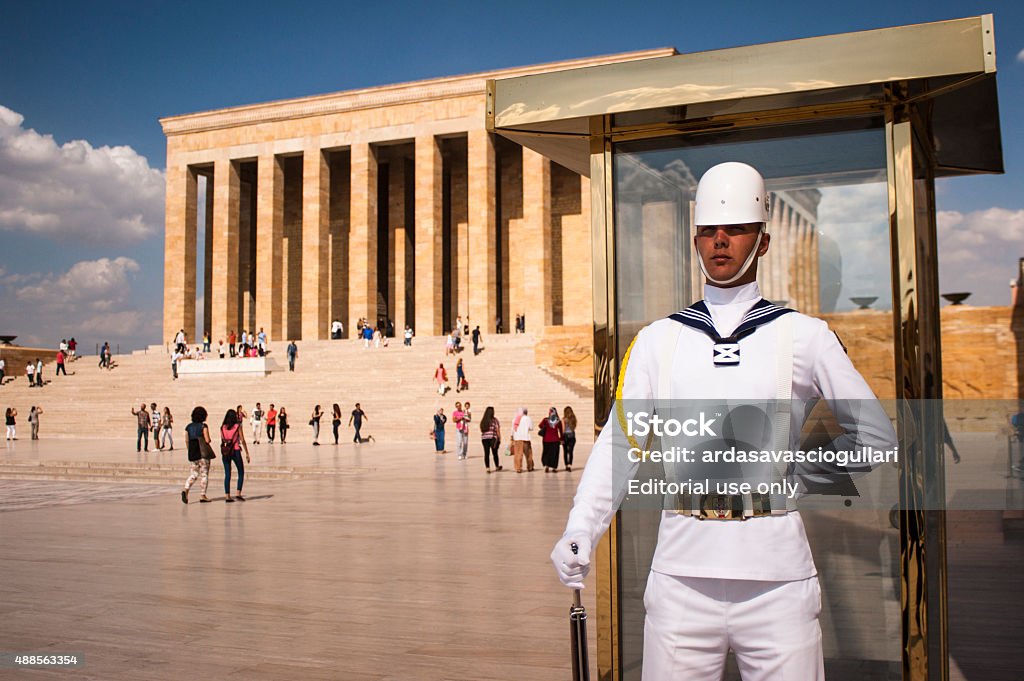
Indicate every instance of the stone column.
{"type": "Point", "coordinates": [362, 271]}
{"type": "Point", "coordinates": [534, 245]}
{"type": "Point", "coordinates": [814, 280]}
{"type": "Point", "coordinates": [225, 248]}
{"type": "Point", "coordinates": [315, 244]}
{"type": "Point", "coordinates": [396, 242]}
{"type": "Point", "coordinates": [483, 275]}
{"type": "Point", "coordinates": [428, 236]}
{"type": "Point", "coordinates": [180, 252]}
{"type": "Point", "coordinates": [269, 233]}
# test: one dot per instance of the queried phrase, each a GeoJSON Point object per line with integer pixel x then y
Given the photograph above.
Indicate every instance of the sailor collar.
{"type": "Point", "coordinates": [727, 350]}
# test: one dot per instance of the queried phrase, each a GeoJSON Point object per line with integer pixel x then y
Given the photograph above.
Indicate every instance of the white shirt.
{"type": "Point", "coordinates": [524, 429]}
{"type": "Point", "coordinates": [772, 548]}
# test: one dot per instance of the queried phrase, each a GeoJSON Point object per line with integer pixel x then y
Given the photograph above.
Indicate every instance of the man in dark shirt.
{"type": "Point", "coordinates": [357, 419]}
{"type": "Point", "coordinates": [476, 341]}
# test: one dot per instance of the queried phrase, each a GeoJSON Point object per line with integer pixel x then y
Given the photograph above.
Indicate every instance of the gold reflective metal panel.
{"type": "Point", "coordinates": [935, 84]}
{"type": "Point", "coordinates": [844, 60]}
{"type": "Point", "coordinates": [551, 112]}
{"type": "Point", "coordinates": [605, 373]}
{"type": "Point", "coordinates": [918, 385]}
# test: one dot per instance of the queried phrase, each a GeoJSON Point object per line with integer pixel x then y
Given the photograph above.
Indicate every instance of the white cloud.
{"type": "Point", "coordinates": [978, 252]}
{"type": "Point", "coordinates": [75, 190]}
{"type": "Point", "coordinates": [94, 300]}
{"type": "Point", "coordinates": [93, 285]}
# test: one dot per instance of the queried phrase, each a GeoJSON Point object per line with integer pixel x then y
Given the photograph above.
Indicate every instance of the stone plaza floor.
{"type": "Point", "coordinates": [412, 567]}
{"type": "Point", "coordinates": [404, 565]}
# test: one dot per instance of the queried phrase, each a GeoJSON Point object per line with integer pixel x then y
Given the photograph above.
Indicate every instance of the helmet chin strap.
{"type": "Point", "coordinates": [743, 270]}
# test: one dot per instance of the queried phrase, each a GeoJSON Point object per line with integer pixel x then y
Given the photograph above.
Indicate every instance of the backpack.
{"type": "Point", "coordinates": [228, 444]}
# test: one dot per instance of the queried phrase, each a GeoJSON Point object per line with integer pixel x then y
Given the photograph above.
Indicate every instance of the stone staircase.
{"type": "Point", "coordinates": [394, 386]}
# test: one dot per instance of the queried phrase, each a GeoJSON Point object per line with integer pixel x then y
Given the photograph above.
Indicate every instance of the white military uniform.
{"type": "Point", "coordinates": [746, 585]}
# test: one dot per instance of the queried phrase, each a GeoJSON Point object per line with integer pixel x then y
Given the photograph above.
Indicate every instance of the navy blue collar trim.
{"type": "Point", "coordinates": [698, 317]}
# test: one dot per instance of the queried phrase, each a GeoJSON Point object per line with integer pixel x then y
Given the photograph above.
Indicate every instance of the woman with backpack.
{"type": "Point", "coordinates": [232, 442]}
{"type": "Point", "coordinates": [200, 452]}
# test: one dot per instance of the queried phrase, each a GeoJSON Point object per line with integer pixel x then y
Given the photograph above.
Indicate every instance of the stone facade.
{"type": "Point", "coordinates": [384, 203]}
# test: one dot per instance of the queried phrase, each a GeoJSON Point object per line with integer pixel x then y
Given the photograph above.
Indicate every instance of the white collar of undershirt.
{"type": "Point", "coordinates": [716, 295]}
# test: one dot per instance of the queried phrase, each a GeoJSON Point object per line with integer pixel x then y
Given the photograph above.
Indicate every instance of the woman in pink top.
{"type": "Point", "coordinates": [441, 377]}
{"type": "Point", "coordinates": [232, 443]}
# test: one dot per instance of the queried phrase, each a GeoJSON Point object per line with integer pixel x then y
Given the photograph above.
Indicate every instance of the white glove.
{"type": "Point", "coordinates": [572, 567]}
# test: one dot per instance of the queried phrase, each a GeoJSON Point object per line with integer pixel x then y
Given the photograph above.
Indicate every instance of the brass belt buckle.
{"type": "Point", "coordinates": [718, 507]}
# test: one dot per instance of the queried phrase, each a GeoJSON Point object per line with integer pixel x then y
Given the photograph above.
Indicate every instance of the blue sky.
{"type": "Point", "coordinates": [97, 76]}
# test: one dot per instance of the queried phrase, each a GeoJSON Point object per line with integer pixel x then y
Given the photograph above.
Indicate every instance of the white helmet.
{"type": "Point", "coordinates": [730, 194]}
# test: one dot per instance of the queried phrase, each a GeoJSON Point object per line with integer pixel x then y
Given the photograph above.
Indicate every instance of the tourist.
{"type": "Point", "coordinates": [460, 377]}
{"type": "Point", "coordinates": [336, 328]}
{"type": "Point", "coordinates": [449, 344]}
{"type": "Point", "coordinates": [166, 422]}
{"type": "Point", "coordinates": [30, 371]}
{"type": "Point", "coordinates": [282, 423]}
{"type": "Point", "coordinates": [154, 425]}
{"type": "Point", "coordinates": [243, 346]}
{"type": "Point", "coordinates": [490, 437]}
{"type": "Point", "coordinates": [261, 340]}
{"type": "Point", "coordinates": [467, 418]}
{"type": "Point", "coordinates": [220, 348]}
{"type": "Point", "coordinates": [314, 421]}
{"type": "Point", "coordinates": [367, 336]}
{"type": "Point", "coordinates": [336, 420]}
{"type": "Point", "coordinates": [441, 377]}
{"type": "Point", "coordinates": [356, 419]}
{"type": "Point", "coordinates": [461, 431]}
{"type": "Point", "coordinates": [206, 341]}
{"type": "Point", "coordinates": [231, 342]}
{"type": "Point", "coordinates": [476, 340]}
{"type": "Point", "coordinates": [242, 413]}
{"type": "Point", "coordinates": [568, 436]}
{"type": "Point", "coordinates": [257, 423]}
{"type": "Point", "coordinates": [521, 445]}
{"type": "Point", "coordinates": [271, 423]}
{"type": "Point", "coordinates": [551, 434]}
{"type": "Point", "coordinates": [376, 337]}
{"type": "Point", "coordinates": [439, 420]}
{"type": "Point", "coordinates": [292, 352]}
{"type": "Point", "coordinates": [61, 356]}
{"type": "Point", "coordinates": [200, 453]}
{"type": "Point", "coordinates": [3, 365]}
{"type": "Point", "coordinates": [175, 358]}
{"type": "Point", "coordinates": [73, 349]}
{"type": "Point", "coordinates": [408, 335]}
{"type": "Point", "coordinates": [39, 372]}
{"type": "Point", "coordinates": [11, 418]}
{"type": "Point", "coordinates": [143, 430]}
{"type": "Point", "coordinates": [233, 441]}
{"type": "Point", "coordinates": [33, 421]}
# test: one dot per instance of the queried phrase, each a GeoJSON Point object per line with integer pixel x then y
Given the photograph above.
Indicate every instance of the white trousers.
{"type": "Point", "coordinates": [771, 627]}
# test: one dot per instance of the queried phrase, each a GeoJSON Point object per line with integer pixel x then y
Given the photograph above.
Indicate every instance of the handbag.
{"type": "Point", "coordinates": [205, 450]}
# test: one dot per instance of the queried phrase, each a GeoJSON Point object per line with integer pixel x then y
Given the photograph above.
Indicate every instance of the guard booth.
{"type": "Point", "coordinates": [850, 132]}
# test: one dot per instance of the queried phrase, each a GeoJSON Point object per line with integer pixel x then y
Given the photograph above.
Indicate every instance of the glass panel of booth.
{"type": "Point", "coordinates": [828, 258]}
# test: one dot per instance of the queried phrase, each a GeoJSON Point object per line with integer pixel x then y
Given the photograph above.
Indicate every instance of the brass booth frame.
{"type": "Point", "coordinates": [935, 86]}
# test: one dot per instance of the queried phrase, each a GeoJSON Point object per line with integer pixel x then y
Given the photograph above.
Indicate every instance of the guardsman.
{"type": "Point", "coordinates": [728, 572]}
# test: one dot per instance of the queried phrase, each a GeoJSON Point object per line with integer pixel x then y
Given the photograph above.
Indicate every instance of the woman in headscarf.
{"type": "Point", "coordinates": [551, 433]}
{"type": "Point", "coordinates": [439, 420]}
